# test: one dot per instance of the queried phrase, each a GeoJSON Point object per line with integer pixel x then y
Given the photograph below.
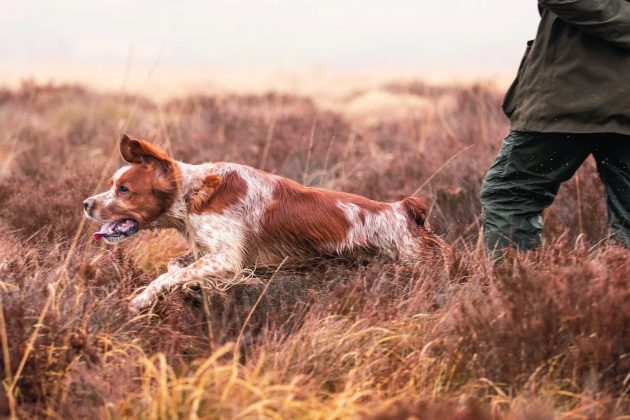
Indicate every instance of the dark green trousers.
{"type": "Point", "coordinates": [527, 174]}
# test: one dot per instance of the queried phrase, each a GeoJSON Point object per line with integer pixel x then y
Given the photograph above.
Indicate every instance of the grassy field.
{"type": "Point", "coordinates": [536, 336]}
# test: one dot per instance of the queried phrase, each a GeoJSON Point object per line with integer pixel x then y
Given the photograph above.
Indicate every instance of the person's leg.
{"type": "Point", "coordinates": [612, 155]}
{"type": "Point", "coordinates": [523, 181]}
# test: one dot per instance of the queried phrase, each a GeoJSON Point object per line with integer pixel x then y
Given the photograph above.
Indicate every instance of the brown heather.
{"type": "Point", "coordinates": [538, 336]}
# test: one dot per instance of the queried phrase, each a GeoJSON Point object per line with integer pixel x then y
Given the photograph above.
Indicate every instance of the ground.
{"type": "Point", "coordinates": [539, 335]}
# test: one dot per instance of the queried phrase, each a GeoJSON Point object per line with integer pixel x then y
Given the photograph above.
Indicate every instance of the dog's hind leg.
{"type": "Point", "coordinates": [207, 266]}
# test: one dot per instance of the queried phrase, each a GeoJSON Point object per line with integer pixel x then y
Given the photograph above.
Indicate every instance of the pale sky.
{"type": "Point", "coordinates": [219, 40]}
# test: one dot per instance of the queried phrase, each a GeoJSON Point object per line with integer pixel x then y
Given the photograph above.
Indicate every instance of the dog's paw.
{"type": "Point", "coordinates": [140, 302]}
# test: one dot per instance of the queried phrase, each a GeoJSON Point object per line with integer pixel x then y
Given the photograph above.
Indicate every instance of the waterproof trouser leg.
{"type": "Point", "coordinates": [612, 155]}
{"type": "Point", "coordinates": [527, 174]}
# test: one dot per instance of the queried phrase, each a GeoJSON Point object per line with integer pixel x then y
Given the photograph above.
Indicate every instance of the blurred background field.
{"type": "Point", "coordinates": [535, 336]}
{"type": "Point", "coordinates": [166, 49]}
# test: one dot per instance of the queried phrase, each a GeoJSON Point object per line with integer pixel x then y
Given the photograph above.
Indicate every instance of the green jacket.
{"type": "Point", "coordinates": [575, 76]}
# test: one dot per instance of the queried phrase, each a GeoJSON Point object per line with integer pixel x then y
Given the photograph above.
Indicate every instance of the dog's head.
{"type": "Point", "coordinates": [139, 195]}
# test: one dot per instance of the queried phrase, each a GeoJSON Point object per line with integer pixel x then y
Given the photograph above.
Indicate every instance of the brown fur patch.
{"type": "Point", "coordinates": [416, 210]}
{"type": "Point", "coordinates": [218, 193]}
{"type": "Point", "coordinates": [310, 217]}
{"type": "Point", "coordinates": [198, 198]}
{"type": "Point", "coordinates": [139, 151]}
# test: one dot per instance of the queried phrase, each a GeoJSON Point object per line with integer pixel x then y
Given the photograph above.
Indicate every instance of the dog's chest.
{"type": "Point", "coordinates": [216, 232]}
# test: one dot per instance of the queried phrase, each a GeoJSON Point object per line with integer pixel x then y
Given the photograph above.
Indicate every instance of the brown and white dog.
{"type": "Point", "coordinates": [234, 216]}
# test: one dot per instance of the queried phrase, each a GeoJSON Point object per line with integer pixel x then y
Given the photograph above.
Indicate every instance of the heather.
{"type": "Point", "coordinates": [538, 335]}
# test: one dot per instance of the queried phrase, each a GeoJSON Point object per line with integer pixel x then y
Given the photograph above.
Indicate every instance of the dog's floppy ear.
{"type": "Point", "coordinates": [139, 151]}
{"type": "Point", "coordinates": [165, 181]}
{"type": "Point", "coordinates": [199, 197]}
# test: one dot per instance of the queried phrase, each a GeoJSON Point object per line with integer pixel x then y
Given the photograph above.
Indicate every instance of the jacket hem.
{"type": "Point", "coordinates": [570, 127]}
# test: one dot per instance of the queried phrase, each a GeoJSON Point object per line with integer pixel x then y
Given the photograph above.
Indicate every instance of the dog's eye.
{"type": "Point", "coordinates": [122, 189]}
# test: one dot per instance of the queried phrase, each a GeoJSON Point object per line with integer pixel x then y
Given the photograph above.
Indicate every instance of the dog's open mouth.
{"type": "Point", "coordinates": [116, 231]}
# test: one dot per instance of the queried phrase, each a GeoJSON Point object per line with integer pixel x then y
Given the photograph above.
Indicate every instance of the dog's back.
{"type": "Point", "coordinates": [280, 218]}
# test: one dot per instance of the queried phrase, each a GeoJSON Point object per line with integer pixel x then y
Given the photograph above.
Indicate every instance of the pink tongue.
{"type": "Point", "coordinates": [106, 229]}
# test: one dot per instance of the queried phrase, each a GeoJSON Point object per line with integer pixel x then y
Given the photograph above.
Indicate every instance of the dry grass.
{"type": "Point", "coordinates": [535, 336]}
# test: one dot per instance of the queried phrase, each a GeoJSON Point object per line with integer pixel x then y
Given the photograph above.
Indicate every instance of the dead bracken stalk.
{"type": "Point", "coordinates": [265, 153]}
{"type": "Point", "coordinates": [439, 169]}
{"type": "Point", "coordinates": [308, 153]}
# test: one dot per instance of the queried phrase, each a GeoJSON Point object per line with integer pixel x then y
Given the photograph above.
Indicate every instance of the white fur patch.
{"type": "Point", "coordinates": [120, 172]}
{"type": "Point", "coordinates": [387, 230]}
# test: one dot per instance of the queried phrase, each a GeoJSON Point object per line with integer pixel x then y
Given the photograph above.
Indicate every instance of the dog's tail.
{"type": "Point", "coordinates": [416, 210]}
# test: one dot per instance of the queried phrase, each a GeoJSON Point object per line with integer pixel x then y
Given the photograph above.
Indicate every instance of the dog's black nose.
{"type": "Point", "coordinates": [88, 203]}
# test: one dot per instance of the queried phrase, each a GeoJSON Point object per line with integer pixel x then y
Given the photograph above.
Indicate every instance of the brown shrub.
{"type": "Point", "coordinates": [561, 313]}
{"type": "Point", "coordinates": [46, 202]}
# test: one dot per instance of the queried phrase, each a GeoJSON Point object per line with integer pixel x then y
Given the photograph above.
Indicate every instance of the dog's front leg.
{"type": "Point", "coordinates": [206, 266]}
{"type": "Point", "coordinates": [180, 262]}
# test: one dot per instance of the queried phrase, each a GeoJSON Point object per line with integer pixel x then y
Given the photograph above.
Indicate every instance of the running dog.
{"type": "Point", "coordinates": [235, 216]}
